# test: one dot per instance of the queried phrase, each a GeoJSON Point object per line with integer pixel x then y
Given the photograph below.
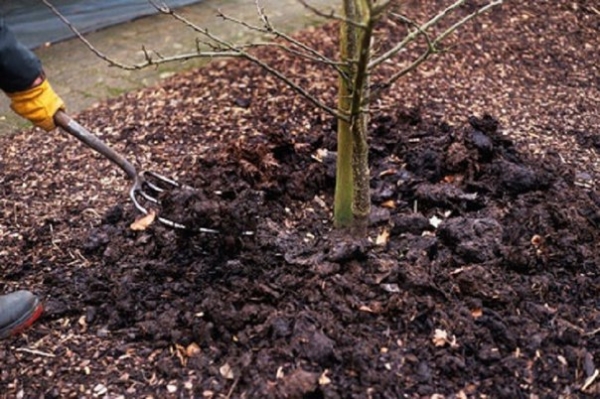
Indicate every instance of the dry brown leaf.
{"type": "Point", "coordinates": [383, 238]}
{"type": "Point", "coordinates": [537, 240]}
{"type": "Point", "coordinates": [226, 371]}
{"type": "Point", "coordinates": [440, 337]}
{"type": "Point", "coordinates": [323, 379]}
{"type": "Point", "coordinates": [143, 222]}
{"type": "Point", "coordinates": [388, 172]}
{"type": "Point", "coordinates": [449, 178]}
{"type": "Point", "coordinates": [477, 313]}
{"type": "Point", "coordinates": [389, 204]}
{"type": "Point", "coordinates": [192, 349]}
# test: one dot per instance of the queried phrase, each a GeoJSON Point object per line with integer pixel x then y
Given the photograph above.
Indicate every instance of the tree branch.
{"type": "Point", "coordinates": [332, 63]}
{"type": "Point", "coordinates": [415, 25]}
{"type": "Point", "coordinates": [149, 61]}
{"type": "Point", "coordinates": [431, 49]}
{"type": "Point", "coordinates": [222, 49]}
{"type": "Point", "coordinates": [244, 54]}
{"type": "Point", "coordinates": [331, 15]}
{"type": "Point", "coordinates": [269, 29]}
{"type": "Point", "coordinates": [466, 19]}
{"type": "Point", "coordinates": [413, 35]}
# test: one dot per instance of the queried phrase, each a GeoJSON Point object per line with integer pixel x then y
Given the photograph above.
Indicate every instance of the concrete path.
{"type": "Point", "coordinates": [82, 79]}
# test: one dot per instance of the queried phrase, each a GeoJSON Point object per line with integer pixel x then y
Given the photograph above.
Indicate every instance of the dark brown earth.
{"type": "Point", "coordinates": [480, 277]}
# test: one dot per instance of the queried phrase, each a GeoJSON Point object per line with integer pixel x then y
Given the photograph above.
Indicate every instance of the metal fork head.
{"type": "Point", "coordinates": [148, 186]}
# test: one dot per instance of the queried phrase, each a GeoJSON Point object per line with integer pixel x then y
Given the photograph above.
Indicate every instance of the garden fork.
{"type": "Point", "coordinates": [146, 185]}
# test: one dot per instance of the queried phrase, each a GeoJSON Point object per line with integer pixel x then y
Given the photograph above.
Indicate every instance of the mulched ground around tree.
{"type": "Point", "coordinates": [479, 278]}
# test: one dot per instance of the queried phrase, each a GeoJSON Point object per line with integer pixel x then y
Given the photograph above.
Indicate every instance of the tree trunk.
{"type": "Point", "coordinates": [353, 199]}
{"type": "Point", "coordinates": [344, 187]}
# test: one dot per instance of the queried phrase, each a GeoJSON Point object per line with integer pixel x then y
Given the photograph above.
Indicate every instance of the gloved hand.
{"type": "Point", "coordinates": [38, 104]}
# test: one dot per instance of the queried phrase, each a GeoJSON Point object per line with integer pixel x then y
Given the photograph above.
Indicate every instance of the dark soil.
{"type": "Point", "coordinates": [479, 277]}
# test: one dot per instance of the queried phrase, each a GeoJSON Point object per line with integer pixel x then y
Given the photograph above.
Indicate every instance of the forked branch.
{"type": "Point", "coordinates": [221, 48]}
{"type": "Point", "coordinates": [297, 47]}
{"type": "Point", "coordinates": [331, 15]}
{"type": "Point", "coordinates": [427, 25]}
{"type": "Point", "coordinates": [432, 45]}
{"type": "Point", "coordinates": [243, 53]}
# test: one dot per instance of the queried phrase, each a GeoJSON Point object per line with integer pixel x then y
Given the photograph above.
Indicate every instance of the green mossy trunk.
{"type": "Point", "coordinates": [352, 194]}
{"type": "Point", "coordinates": [344, 187]}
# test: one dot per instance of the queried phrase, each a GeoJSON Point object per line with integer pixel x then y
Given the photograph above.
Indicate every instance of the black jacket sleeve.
{"type": "Point", "coordinates": [19, 67]}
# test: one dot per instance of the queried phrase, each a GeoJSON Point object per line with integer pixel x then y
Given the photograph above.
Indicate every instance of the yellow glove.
{"type": "Point", "coordinates": [38, 104]}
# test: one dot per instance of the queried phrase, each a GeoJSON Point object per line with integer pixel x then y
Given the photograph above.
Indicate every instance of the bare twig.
{"type": "Point", "coordinates": [590, 380]}
{"type": "Point", "coordinates": [380, 8]}
{"type": "Point", "coordinates": [233, 386]}
{"type": "Point", "coordinates": [378, 88]}
{"type": "Point", "coordinates": [292, 51]}
{"type": "Point", "coordinates": [330, 15]}
{"type": "Point", "coordinates": [222, 49]}
{"type": "Point", "coordinates": [269, 29]}
{"type": "Point", "coordinates": [244, 54]}
{"type": "Point", "coordinates": [35, 352]}
{"type": "Point", "coordinates": [413, 35]}
{"type": "Point", "coordinates": [466, 19]}
{"type": "Point", "coordinates": [431, 49]}
{"type": "Point", "coordinates": [261, 14]}
{"type": "Point", "coordinates": [409, 21]}
{"type": "Point", "coordinates": [149, 61]}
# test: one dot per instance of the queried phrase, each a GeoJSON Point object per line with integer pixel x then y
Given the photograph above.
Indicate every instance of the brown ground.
{"type": "Point", "coordinates": [498, 139]}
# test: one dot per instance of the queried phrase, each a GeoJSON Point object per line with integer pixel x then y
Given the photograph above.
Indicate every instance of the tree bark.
{"type": "Point", "coordinates": [344, 187]}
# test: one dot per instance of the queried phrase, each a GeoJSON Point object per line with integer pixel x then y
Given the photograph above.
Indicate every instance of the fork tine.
{"type": "Point", "coordinates": [138, 189]}
{"type": "Point", "coordinates": [133, 196]}
{"type": "Point", "coordinates": [163, 179]}
{"type": "Point", "coordinates": [148, 196]}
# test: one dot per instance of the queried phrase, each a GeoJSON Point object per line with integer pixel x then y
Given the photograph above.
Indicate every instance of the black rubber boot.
{"type": "Point", "coordinates": [18, 310]}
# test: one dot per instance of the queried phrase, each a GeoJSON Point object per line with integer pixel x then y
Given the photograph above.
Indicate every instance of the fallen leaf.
{"type": "Point", "coordinates": [537, 240]}
{"type": "Point", "coordinates": [226, 371]}
{"type": "Point", "coordinates": [440, 337]}
{"type": "Point", "coordinates": [388, 172]}
{"type": "Point", "coordinates": [179, 351]}
{"type": "Point", "coordinates": [143, 222]}
{"type": "Point", "coordinates": [391, 204]}
{"type": "Point", "coordinates": [279, 375]}
{"type": "Point", "coordinates": [391, 287]}
{"type": "Point", "coordinates": [320, 154]}
{"type": "Point", "coordinates": [323, 379]}
{"type": "Point", "coordinates": [477, 313]}
{"type": "Point", "coordinates": [435, 221]}
{"type": "Point", "coordinates": [383, 238]}
{"type": "Point", "coordinates": [192, 349]}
